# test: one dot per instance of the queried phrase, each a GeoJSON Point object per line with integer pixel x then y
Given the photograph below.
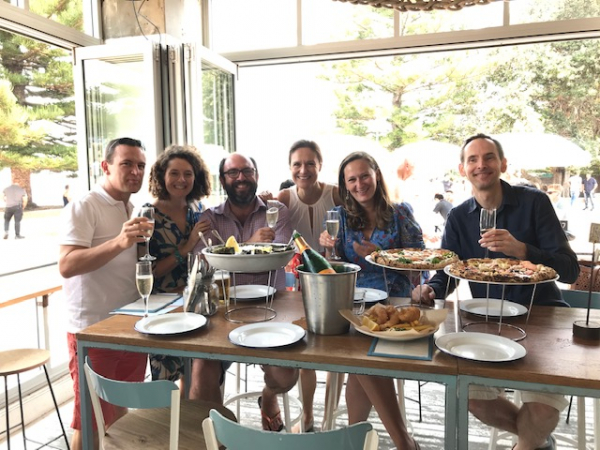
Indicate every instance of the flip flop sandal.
{"type": "Point", "coordinates": [271, 423]}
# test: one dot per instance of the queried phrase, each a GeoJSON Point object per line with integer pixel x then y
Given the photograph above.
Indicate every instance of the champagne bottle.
{"type": "Point", "coordinates": [313, 261]}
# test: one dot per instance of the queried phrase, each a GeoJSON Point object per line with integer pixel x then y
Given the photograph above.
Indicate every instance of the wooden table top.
{"type": "Point", "coordinates": [343, 350]}
{"type": "Point", "coordinates": [553, 357]}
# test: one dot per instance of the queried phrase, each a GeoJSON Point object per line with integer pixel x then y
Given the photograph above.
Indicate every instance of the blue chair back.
{"type": "Point", "coordinates": [579, 299]}
{"type": "Point", "coordinates": [238, 437]}
{"type": "Point", "coordinates": [152, 394]}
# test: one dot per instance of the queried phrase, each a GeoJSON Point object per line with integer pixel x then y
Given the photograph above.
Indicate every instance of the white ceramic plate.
{"type": "Point", "coordinates": [481, 307]}
{"type": "Point", "coordinates": [370, 295]}
{"type": "Point", "coordinates": [267, 335]}
{"type": "Point", "coordinates": [173, 323]}
{"type": "Point", "coordinates": [480, 347]}
{"type": "Point", "coordinates": [409, 335]}
{"type": "Point", "coordinates": [250, 292]}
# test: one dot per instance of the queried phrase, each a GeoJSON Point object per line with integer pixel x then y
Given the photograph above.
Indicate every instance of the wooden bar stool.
{"type": "Point", "coordinates": [15, 362]}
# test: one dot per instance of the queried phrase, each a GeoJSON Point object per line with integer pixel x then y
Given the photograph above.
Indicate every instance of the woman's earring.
{"type": "Point", "coordinates": [347, 195]}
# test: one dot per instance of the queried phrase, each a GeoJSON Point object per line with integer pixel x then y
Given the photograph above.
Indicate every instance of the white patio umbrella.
{"type": "Point", "coordinates": [541, 150]}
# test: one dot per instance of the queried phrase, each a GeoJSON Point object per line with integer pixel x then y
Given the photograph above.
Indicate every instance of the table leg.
{"type": "Point", "coordinates": [85, 407]}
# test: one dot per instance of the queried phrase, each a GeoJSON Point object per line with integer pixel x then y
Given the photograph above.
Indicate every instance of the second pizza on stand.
{"type": "Point", "coordinates": [501, 270]}
{"type": "Point", "coordinates": [414, 258]}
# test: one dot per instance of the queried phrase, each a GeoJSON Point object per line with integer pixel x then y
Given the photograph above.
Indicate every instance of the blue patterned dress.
{"type": "Point", "coordinates": [167, 236]}
{"type": "Point", "coordinates": [403, 232]}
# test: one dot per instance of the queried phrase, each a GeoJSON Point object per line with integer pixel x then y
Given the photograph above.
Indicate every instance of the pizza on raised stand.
{"type": "Point", "coordinates": [501, 270]}
{"type": "Point", "coordinates": [415, 258]}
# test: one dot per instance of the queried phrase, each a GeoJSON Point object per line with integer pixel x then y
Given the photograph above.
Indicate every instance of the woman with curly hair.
{"type": "Point", "coordinates": [370, 221]}
{"type": "Point", "coordinates": [178, 180]}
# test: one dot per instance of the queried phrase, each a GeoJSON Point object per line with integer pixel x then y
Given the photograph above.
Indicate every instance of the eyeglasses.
{"type": "Point", "coordinates": [234, 173]}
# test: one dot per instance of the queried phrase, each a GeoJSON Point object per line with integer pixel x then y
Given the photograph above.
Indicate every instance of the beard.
{"type": "Point", "coordinates": [241, 199]}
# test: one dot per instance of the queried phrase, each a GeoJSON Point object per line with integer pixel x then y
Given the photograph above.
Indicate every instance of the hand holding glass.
{"type": "Point", "coordinates": [272, 213]}
{"type": "Point", "coordinates": [332, 225]}
{"type": "Point", "coordinates": [144, 281]}
{"type": "Point", "coordinates": [148, 213]}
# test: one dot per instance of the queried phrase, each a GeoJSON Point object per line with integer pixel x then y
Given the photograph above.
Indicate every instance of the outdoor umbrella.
{"type": "Point", "coordinates": [541, 150]}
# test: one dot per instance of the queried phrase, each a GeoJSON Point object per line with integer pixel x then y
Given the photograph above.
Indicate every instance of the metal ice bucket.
{"type": "Point", "coordinates": [325, 294]}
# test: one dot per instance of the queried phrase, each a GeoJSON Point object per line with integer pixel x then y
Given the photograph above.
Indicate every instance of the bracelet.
{"type": "Point", "coordinates": [178, 257]}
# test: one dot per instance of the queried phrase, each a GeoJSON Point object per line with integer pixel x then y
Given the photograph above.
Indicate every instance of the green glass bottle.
{"type": "Point", "coordinates": [313, 261]}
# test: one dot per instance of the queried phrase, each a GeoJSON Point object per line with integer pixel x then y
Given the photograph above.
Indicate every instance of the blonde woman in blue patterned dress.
{"type": "Point", "coordinates": [370, 221]}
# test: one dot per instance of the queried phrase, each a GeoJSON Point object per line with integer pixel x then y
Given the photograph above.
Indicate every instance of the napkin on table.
{"type": "Point", "coordinates": [157, 304]}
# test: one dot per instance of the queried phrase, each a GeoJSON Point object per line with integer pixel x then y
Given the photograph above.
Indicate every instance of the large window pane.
{"type": "Point", "coordinates": [115, 101]}
{"type": "Point", "coordinates": [380, 104]}
{"type": "Point", "coordinates": [252, 25]}
{"type": "Point", "coordinates": [327, 21]}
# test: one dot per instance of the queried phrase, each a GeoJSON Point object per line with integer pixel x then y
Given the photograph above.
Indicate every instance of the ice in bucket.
{"type": "Point", "coordinates": [324, 295]}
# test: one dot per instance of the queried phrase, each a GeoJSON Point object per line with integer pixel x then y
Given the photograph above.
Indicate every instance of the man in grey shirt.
{"type": "Point", "coordinates": [15, 199]}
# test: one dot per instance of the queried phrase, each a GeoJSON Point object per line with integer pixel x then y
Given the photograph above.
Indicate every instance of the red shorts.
{"type": "Point", "coordinates": [116, 365]}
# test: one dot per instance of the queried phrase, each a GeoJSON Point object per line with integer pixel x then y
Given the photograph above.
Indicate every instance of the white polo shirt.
{"type": "Point", "coordinates": [88, 222]}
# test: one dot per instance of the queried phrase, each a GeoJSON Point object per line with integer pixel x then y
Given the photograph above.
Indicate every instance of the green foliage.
{"type": "Point", "coordinates": [66, 12]}
{"type": "Point", "coordinates": [36, 104]}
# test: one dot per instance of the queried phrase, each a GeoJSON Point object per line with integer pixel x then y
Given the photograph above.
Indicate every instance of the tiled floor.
{"type": "Point", "coordinates": [429, 432]}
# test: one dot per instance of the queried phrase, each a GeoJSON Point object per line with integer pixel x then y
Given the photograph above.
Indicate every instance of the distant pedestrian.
{"type": "Point", "coordinates": [575, 187]}
{"type": "Point", "coordinates": [66, 196]}
{"type": "Point", "coordinates": [442, 206]}
{"type": "Point", "coordinates": [589, 187]}
{"type": "Point", "coordinates": [15, 199]}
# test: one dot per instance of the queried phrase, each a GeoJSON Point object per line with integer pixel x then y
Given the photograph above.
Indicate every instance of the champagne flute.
{"type": "Point", "coordinates": [487, 222]}
{"type": "Point", "coordinates": [144, 281]}
{"type": "Point", "coordinates": [332, 225]}
{"type": "Point", "coordinates": [148, 213]}
{"type": "Point", "coordinates": [272, 213]}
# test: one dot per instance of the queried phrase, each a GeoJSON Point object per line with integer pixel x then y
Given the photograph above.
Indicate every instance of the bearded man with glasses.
{"type": "Point", "coordinates": [244, 215]}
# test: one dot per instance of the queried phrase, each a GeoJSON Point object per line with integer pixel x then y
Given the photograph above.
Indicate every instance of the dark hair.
{"type": "Point", "coordinates": [112, 146]}
{"type": "Point", "coordinates": [286, 184]}
{"type": "Point", "coordinates": [481, 136]}
{"type": "Point", "coordinates": [190, 154]}
{"type": "Point", "coordinates": [438, 196]}
{"type": "Point", "coordinates": [303, 143]}
{"type": "Point", "coordinates": [356, 213]}
{"type": "Point", "coordinates": [222, 165]}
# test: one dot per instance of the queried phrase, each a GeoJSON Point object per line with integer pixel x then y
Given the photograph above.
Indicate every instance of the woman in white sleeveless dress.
{"type": "Point", "coordinates": [308, 202]}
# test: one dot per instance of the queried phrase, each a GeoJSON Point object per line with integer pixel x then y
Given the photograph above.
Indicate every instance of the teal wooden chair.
{"type": "Point", "coordinates": [579, 299]}
{"type": "Point", "coordinates": [219, 430]}
{"type": "Point", "coordinates": [159, 421]}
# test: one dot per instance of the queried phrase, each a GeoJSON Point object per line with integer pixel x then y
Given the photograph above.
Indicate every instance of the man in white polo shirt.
{"type": "Point", "coordinates": [98, 253]}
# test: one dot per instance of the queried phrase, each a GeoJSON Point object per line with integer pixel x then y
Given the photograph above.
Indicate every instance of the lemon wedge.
{"type": "Point", "coordinates": [232, 243]}
{"type": "Point", "coordinates": [370, 324]}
